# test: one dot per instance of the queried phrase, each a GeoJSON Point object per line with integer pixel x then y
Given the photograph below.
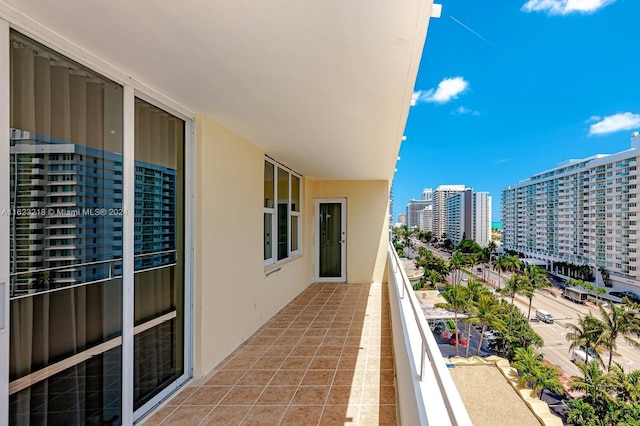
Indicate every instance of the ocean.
{"type": "Point", "coordinates": [496, 225]}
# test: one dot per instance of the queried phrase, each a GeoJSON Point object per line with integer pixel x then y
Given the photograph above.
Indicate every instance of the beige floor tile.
{"type": "Point", "coordinates": [226, 415]}
{"type": "Point", "coordinates": [287, 377]}
{"type": "Point", "coordinates": [187, 416]}
{"type": "Point", "coordinates": [331, 345]}
{"type": "Point", "coordinates": [302, 416]}
{"type": "Point", "coordinates": [160, 415]}
{"type": "Point", "coordinates": [242, 395]}
{"type": "Point", "coordinates": [207, 395]}
{"type": "Point", "coordinates": [182, 396]}
{"type": "Point", "coordinates": [329, 351]}
{"type": "Point", "coordinates": [296, 363]}
{"type": "Point", "coordinates": [256, 377]}
{"type": "Point", "coordinates": [318, 377]}
{"type": "Point", "coordinates": [374, 415]}
{"type": "Point", "coordinates": [339, 415]}
{"type": "Point", "coordinates": [268, 363]}
{"type": "Point", "coordinates": [304, 351]}
{"type": "Point", "coordinates": [310, 395]}
{"type": "Point", "coordinates": [349, 377]}
{"type": "Point", "coordinates": [226, 377]}
{"type": "Point", "coordinates": [324, 363]}
{"type": "Point", "coordinates": [239, 364]}
{"type": "Point", "coordinates": [277, 395]}
{"type": "Point", "coordinates": [264, 415]}
{"type": "Point", "coordinates": [344, 395]}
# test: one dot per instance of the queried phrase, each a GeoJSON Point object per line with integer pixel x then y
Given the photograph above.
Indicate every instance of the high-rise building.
{"type": "Point", "coordinates": [582, 212]}
{"type": "Point", "coordinates": [425, 219]}
{"type": "Point", "coordinates": [458, 208]}
{"type": "Point", "coordinates": [414, 207]}
{"type": "Point", "coordinates": [427, 194]}
{"type": "Point", "coordinates": [402, 218]}
{"type": "Point", "coordinates": [439, 207]}
{"type": "Point", "coordinates": [481, 213]}
{"type": "Point", "coordinates": [469, 216]}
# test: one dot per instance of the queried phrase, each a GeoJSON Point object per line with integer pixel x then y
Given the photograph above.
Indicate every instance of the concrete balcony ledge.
{"type": "Point", "coordinates": [427, 394]}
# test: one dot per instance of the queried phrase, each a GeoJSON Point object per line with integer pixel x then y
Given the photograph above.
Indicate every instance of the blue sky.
{"type": "Point", "coordinates": [511, 88]}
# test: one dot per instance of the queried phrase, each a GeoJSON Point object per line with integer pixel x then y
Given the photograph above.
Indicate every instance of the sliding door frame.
{"type": "Point", "coordinates": [131, 89]}
{"type": "Point", "coordinates": [4, 221]}
{"type": "Point", "coordinates": [187, 252]}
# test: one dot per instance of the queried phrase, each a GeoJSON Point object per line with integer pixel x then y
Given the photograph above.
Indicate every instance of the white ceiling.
{"type": "Point", "coordinates": [323, 86]}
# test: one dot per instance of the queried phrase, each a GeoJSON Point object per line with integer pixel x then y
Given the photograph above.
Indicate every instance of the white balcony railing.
{"type": "Point", "coordinates": [427, 394]}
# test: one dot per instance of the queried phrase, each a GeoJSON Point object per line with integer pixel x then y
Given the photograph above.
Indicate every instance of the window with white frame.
{"type": "Point", "coordinates": [282, 223]}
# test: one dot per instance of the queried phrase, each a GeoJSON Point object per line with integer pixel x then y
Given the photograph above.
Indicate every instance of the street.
{"type": "Point", "coordinates": [556, 347]}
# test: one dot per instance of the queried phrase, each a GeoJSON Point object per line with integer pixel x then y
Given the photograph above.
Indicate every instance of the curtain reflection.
{"type": "Point", "coordinates": [159, 212]}
{"type": "Point", "coordinates": [66, 165]}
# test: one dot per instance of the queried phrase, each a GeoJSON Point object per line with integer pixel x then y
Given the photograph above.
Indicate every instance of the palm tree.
{"type": "Point", "coordinates": [456, 297]}
{"type": "Point", "coordinates": [517, 284]}
{"type": "Point", "coordinates": [488, 313]}
{"type": "Point", "coordinates": [474, 291]}
{"type": "Point", "coordinates": [548, 378]}
{"type": "Point", "coordinates": [596, 385]}
{"type": "Point", "coordinates": [505, 263]}
{"type": "Point", "coordinates": [534, 373]}
{"type": "Point", "coordinates": [434, 278]}
{"type": "Point", "coordinates": [621, 321]}
{"type": "Point", "coordinates": [537, 280]}
{"type": "Point", "coordinates": [456, 263]}
{"type": "Point", "coordinates": [527, 363]}
{"type": "Point", "coordinates": [627, 385]}
{"type": "Point", "coordinates": [498, 265]}
{"type": "Point", "coordinates": [470, 260]}
{"type": "Point", "coordinates": [581, 413]}
{"type": "Point", "coordinates": [587, 333]}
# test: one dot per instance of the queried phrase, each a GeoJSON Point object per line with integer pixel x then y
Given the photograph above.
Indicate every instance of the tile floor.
{"type": "Point", "coordinates": [324, 359]}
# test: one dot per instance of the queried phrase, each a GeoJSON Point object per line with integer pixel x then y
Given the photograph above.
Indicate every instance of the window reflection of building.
{"type": "Point", "coordinates": [67, 236]}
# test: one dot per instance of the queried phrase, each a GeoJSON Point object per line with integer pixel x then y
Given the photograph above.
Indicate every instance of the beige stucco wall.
{"type": "Point", "coordinates": [367, 224]}
{"type": "Point", "coordinates": [233, 298]}
{"type": "Point", "coordinates": [232, 295]}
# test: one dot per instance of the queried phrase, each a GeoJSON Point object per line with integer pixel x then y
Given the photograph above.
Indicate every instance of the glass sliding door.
{"type": "Point", "coordinates": [159, 251]}
{"type": "Point", "coordinates": [65, 240]}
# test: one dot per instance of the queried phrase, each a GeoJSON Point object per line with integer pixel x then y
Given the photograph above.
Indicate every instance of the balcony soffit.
{"type": "Point", "coordinates": [322, 86]}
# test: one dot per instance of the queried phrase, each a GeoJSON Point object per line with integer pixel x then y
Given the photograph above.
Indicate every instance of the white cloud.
{"type": "Point", "coordinates": [615, 123]}
{"type": "Point", "coordinates": [501, 160]}
{"type": "Point", "coordinates": [448, 89]}
{"type": "Point", "coordinates": [564, 7]}
{"type": "Point", "coordinates": [461, 110]}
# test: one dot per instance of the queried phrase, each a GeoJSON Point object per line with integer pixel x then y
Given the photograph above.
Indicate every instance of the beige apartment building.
{"type": "Point", "coordinates": [439, 213]}
{"type": "Point", "coordinates": [582, 212]}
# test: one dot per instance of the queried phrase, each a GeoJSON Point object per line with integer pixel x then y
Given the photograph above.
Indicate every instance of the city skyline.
{"type": "Point", "coordinates": [503, 94]}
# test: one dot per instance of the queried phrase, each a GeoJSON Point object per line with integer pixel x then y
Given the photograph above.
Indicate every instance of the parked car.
{"type": "Point", "coordinates": [579, 355]}
{"type": "Point", "coordinates": [489, 337]}
{"type": "Point", "coordinates": [592, 353]}
{"type": "Point", "coordinates": [463, 341]}
{"type": "Point", "coordinates": [544, 316]}
{"type": "Point", "coordinates": [628, 294]}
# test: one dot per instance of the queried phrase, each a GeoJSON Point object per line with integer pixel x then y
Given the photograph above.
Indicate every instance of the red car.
{"type": "Point", "coordinates": [463, 341]}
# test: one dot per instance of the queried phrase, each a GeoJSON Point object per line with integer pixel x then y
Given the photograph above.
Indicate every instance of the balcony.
{"type": "Point", "coordinates": [329, 356]}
